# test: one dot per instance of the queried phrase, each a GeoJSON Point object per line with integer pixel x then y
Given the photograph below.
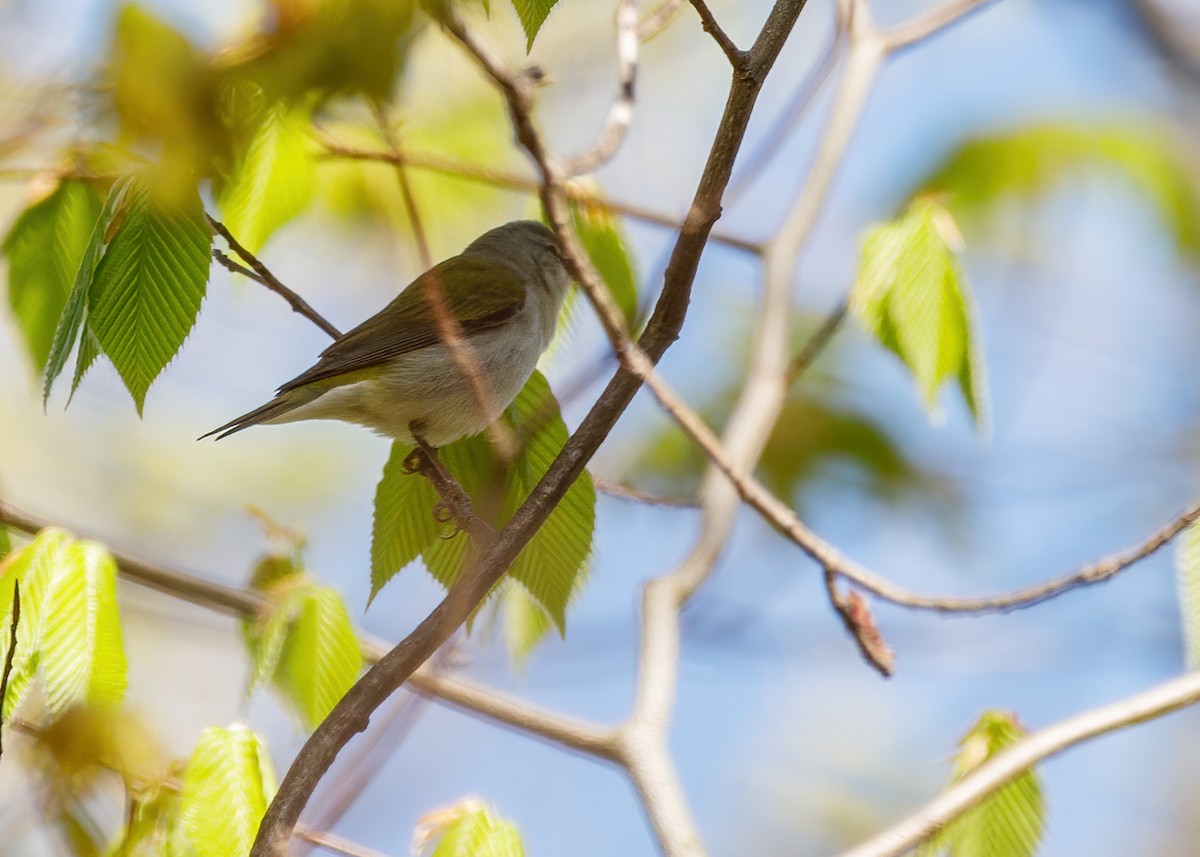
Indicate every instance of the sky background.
{"type": "Point", "coordinates": [786, 742]}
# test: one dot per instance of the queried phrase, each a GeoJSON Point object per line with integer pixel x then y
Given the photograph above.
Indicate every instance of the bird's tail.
{"type": "Point", "coordinates": [269, 412]}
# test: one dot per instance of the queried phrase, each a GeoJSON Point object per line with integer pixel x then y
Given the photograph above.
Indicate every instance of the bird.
{"type": "Point", "coordinates": [396, 374]}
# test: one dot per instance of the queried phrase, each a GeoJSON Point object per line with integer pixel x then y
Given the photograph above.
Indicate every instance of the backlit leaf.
{"type": "Point", "coordinates": [1007, 823]}
{"type": "Point", "coordinates": [600, 232]}
{"type": "Point", "coordinates": [321, 657]}
{"type": "Point", "coordinates": [148, 286]}
{"type": "Point", "coordinates": [226, 788]}
{"type": "Point", "coordinates": [82, 652]}
{"type": "Point", "coordinates": [911, 296]}
{"type": "Point", "coordinates": [472, 829]}
{"type": "Point", "coordinates": [274, 180]}
{"type": "Point", "coordinates": [44, 249]}
{"type": "Point", "coordinates": [1031, 160]}
{"type": "Point", "coordinates": [73, 320]}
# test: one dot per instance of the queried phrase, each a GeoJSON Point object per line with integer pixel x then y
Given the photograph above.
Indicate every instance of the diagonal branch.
{"type": "Point", "coordinates": [620, 114]}
{"type": "Point", "coordinates": [266, 278]}
{"type": "Point", "coordinates": [736, 57]}
{"type": "Point", "coordinates": [921, 27]}
{"type": "Point", "coordinates": [1006, 766]}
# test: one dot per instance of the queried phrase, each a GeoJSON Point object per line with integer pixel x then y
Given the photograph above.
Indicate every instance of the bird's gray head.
{"type": "Point", "coordinates": [530, 249]}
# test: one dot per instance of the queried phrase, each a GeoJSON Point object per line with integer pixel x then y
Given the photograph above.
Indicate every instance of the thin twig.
{"type": "Point", "coordinates": [659, 19]}
{"type": "Point", "coordinates": [335, 844]}
{"type": "Point", "coordinates": [266, 278]}
{"type": "Point", "coordinates": [625, 492]}
{"type": "Point", "coordinates": [1009, 764]}
{"type": "Point", "coordinates": [424, 460]}
{"type": "Point", "coordinates": [236, 268]}
{"type": "Point", "coordinates": [917, 29]}
{"type": "Point", "coordinates": [9, 655]}
{"type": "Point", "coordinates": [513, 181]}
{"type": "Point", "coordinates": [736, 57]}
{"type": "Point", "coordinates": [620, 113]}
{"type": "Point", "coordinates": [455, 691]}
{"type": "Point", "coordinates": [817, 342]}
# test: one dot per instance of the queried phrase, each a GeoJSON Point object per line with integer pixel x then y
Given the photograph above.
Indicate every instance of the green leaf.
{"type": "Point", "coordinates": [911, 296]}
{"type": "Point", "coordinates": [82, 653]}
{"type": "Point", "coordinates": [600, 232]}
{"type": "Point", "coordinates": [226, 788]}
{"type": "Point", "coordinates": [5, 542]}
{"type": "Point", "coordinates": [525, 622]}
{"type": "Point", "coordinates": [478, 832]}
{"type": "Point", "coordinates": [532, 14]}
{"type": "Point", "coordinates": [74, 315]}
{"type": "Point", "coordinates": [1007, 823]}
{"type": "Point", "coordinates": [551, 564]}
{"type": "Point", "coordinates": [265, 636]}
{"type": "Point", "coordinates": [44, 249]}
{"type": "Point", "coordinates": [147, 289]}
{"type": "Point", "coordinates": [403, 525]}
{"type": "Point", "coordinates": [152, 824]}
{"type": "Point", "coordinates": [1030, 160]}
{"type": "Point", "coordinates": [1187, 568]}
{"type": "Point", "coordinates": [33, 568]}
{"type": "Point", "coordinates": [321, 657]}
{"type": "Point", "coordinates": [275, 179]}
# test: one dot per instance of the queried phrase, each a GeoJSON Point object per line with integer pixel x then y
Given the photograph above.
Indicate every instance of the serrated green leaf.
{"type": "Point", "coordinates": [33, 568]}
{"type": "Point", "coordinates": [226, 788]}
{"type": "Point", "coordinates": [1030, 160]}
{"type": "Point", "coordinates": [321, 657]}
{"type": "Point", "coordinates": [75, 311]}
{"type": "Point", "coordinates": [402, 525]}
{"type": "Point", "coordinates": [1187, 568]}
{"type": "Point", "coordinates": [551, 563]}
{"type": "Point", "coordinates": [1007, 823]}
{"type": "Point", "coordinates": [265, 637]}
{"type": "Point", "coordinates": [479, 832]}
{"type": "Point", "coordinates": [533, 14]}
{"type": "Point", "coordinates": [147, 289]}
{"type": "Point", "coordinates": [82, 653]}
{"type": "Point", "coordinates": [44, 249]}
{"type": "Point", "coordinates": [911, 296]}
{"type": "Point", "coordinates": [600, 232]}
{"type": "Point", "coordinates": [275, 179]}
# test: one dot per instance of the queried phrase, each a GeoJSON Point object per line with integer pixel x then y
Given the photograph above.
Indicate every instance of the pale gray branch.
{"type": "Point", "coordinates": [1006, 766]}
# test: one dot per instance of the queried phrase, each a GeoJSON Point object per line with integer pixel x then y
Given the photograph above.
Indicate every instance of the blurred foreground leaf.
{"type": "Point", "coordinates": [226, 788]}
{"type": "Point", "coordinates": [69, 627]}
{"type": "Point", "coordinates": [1009, 822]}
{"type": "Point", "coordinates": [550, 565]}
{"type": "Point", "coordinates": [305, 644]}
{"type": "Point", "coordinates": [1029, 161]}
{"type": "Point", "coordinates": [911, 296]}
{"type": "Point", "coordinates": [274, 180]}
{"type": "Point", "coordinates": [469, 828]}
{"type": "Point", "coordinates": [44, 249]}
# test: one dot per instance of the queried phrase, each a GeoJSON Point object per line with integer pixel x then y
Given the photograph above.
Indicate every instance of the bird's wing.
{"type": "Point", "coordinates": [484, 295]}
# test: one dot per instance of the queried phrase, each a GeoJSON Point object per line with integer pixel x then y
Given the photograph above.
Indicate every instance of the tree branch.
{"type": "Point", "coordinates": [458, 692]}
{"type": "Point", "coordinates": [736, 57]}
{"type": "Point", "coordinates": [352, 713]}
{"type": "Point", "coordinates": [921, 27]}
{"type": "Point", "coordinates": [1007, 765]}
{"type": "Point", "coordinates": [266, 278]}
{"type": "Point", "coordinates": [620, 114]}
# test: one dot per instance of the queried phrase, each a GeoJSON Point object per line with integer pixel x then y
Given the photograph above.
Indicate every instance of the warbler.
{"type": "Point", "coordinates": [394, 373]}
